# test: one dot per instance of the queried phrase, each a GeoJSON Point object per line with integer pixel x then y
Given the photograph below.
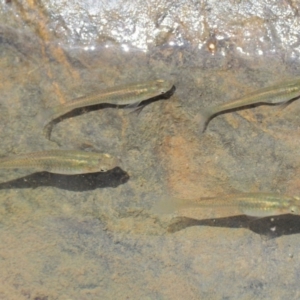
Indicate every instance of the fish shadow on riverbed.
{"type": "Point", "coordinates": [269, 227]}
{"type": "Point", "coordinates": [76, 183]}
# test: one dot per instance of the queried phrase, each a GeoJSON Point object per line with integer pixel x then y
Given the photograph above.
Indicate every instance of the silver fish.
{"type": "Point", "coordinates": [250, 204]}
{"type": "Point", "coordinates": [275, 94]}
{"type": "Point", "coordinates": [128, 94]}
{"type": "Point", "coordinates": [60, 162]}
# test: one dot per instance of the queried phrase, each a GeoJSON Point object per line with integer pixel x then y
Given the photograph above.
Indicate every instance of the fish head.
{"type": "Point", "coordinates": [294, 210]}
{"type": "Point", "coordinates": [162, 86]}
{"type": "Point", "coordinates": [294, 207]}
{"type": "Point", "coordinates": [107, 162]}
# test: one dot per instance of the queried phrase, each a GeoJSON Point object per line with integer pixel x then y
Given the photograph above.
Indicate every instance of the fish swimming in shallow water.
{"type": "Point", "coordinates": [257, 205]}
{"type": "Point", "coordinates": [276, 94]}
{"type": "Point", "coordinates": [129, 94]}
{"type": "Point", "coordinates": [68, 162]}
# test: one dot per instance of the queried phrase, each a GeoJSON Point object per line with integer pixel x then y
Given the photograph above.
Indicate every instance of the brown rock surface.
{"type": "Point", "coordinates": [95, 236]}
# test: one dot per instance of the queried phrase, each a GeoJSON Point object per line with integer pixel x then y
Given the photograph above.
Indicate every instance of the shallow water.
{"type": "Point", "coordinates": [92, 236]}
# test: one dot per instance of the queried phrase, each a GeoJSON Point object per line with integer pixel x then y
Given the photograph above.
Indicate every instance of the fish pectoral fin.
{"type": "Point", "coordinates": [280, 108]}
{"type": "Point", "coordinates": [284, 105]}
{"type": "Point", "coordinates": [137, 109]}
{"type": "Point", "coordinates": [133, 105]}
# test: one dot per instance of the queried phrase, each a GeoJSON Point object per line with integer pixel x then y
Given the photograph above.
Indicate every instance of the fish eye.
{"type": "Point", "coordinates": [294, 210]}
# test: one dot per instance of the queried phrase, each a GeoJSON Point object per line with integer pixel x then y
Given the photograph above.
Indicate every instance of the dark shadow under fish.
{"type": "Point", "coordinates": [77, 183]}
{"type": "Point", "coordinates": [268, 228]}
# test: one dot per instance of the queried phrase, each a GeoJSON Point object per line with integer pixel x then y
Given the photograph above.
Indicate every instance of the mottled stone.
{"type": "Point", "coordinates": [96, 236]}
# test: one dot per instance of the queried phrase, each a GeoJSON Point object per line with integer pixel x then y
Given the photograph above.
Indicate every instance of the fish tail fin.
{"type": "Point", "coordinates": [169, 205]}
{"type": "Point", "coordinates": [46, 116]}
{"type": "Point", "coordinates": [284, 105]}
{"type": "Point", "coordinates": [205, 116]}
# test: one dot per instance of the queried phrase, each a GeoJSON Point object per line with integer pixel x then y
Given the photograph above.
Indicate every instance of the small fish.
{"type": "Point", "coordinates": [257, 205]}
{"type": "Point", "coordinates": [129, 94]}
{"type": "Point", "coordinates": [276, 94]}
{"type": "Point", "coordinates": [69, 162]}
